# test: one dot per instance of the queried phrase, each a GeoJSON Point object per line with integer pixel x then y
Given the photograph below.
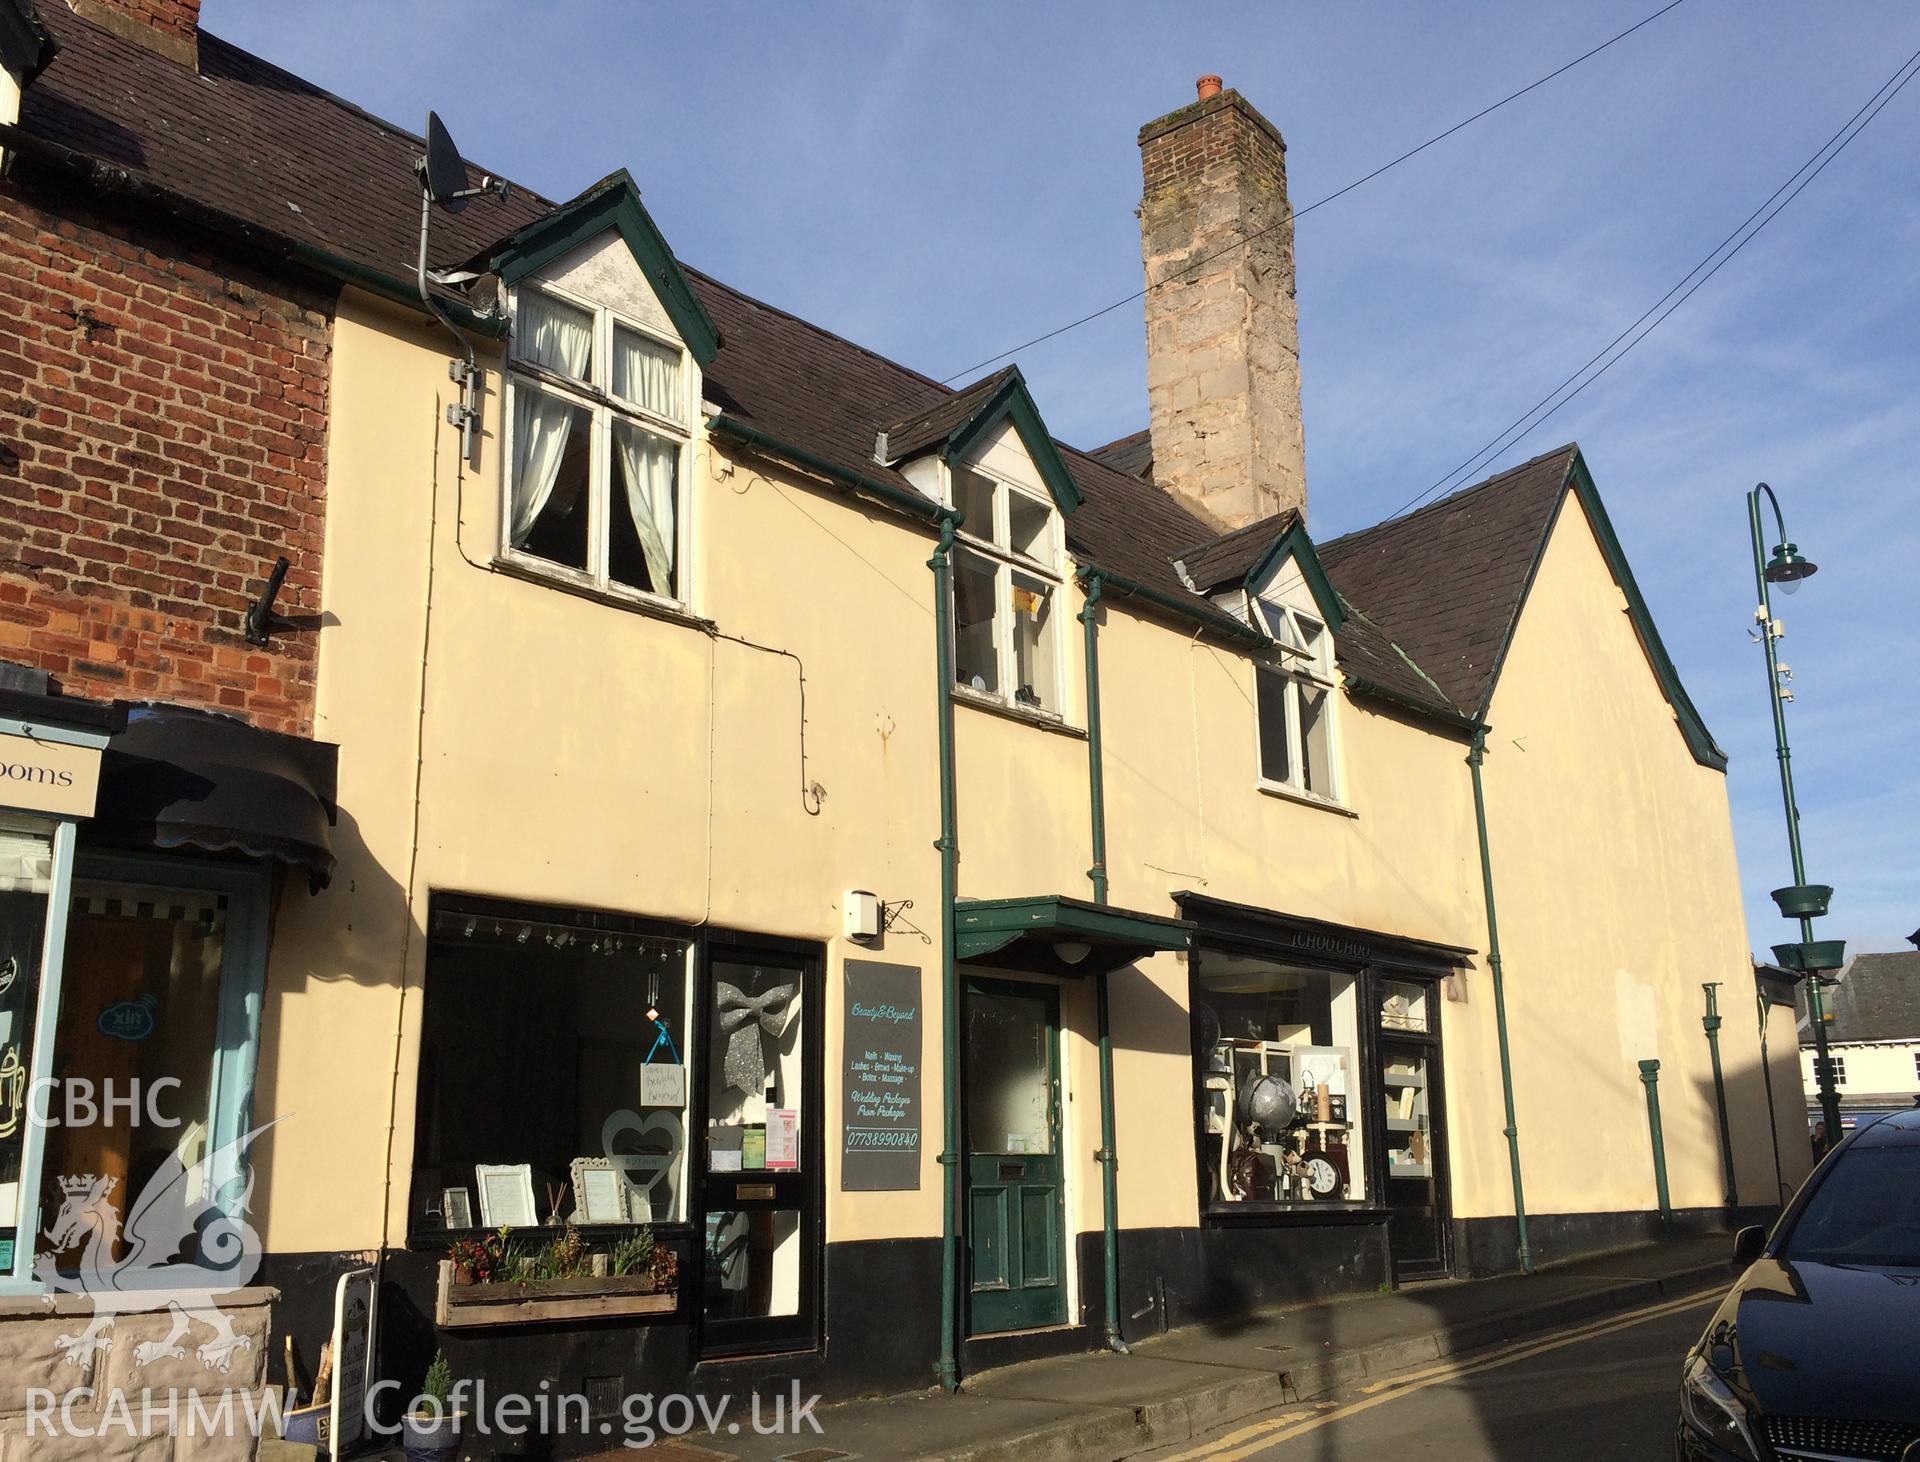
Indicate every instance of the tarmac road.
{"type": "Point", "coordinates": [1603, 1389]}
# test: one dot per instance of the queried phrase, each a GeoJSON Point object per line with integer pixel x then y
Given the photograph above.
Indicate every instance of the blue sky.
{"type": "Point", "coordinates": [939, 182]}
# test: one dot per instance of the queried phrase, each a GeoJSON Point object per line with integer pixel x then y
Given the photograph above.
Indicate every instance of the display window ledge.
{"type": "Point", "coordinates": [437, 1240]}
{"type": "Point", "coordinates": [1291, 1215]}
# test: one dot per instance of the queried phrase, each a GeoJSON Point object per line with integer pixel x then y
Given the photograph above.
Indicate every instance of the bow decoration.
{"type": "Point", "coordinates": [742, 1018]}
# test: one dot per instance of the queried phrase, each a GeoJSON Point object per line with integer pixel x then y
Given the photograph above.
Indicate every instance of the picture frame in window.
{"type": "Point", "coordinates": [506, 1195]}
{"type": "Point", "coordinates": [456, 1208]}
{"type": "Point", "coordinates": [599, 1191]}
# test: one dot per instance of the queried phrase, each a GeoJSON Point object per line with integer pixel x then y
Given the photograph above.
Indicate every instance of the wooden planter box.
{"type": "Point", "coordinates": [459, 1306]}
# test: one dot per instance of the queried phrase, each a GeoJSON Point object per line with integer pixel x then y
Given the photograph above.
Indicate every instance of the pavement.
{"type": "Point", "coordinates": [1188, 1384]}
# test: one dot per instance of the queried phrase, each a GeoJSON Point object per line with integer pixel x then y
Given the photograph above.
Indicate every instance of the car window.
{"type": "Point", "coordinates": [1865, 1211]}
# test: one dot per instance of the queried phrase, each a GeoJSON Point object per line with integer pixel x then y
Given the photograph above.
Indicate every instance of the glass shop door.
{"type": "Point", "coordinates": [759, 1215]}
{"type": "Point", "coordinates": [1415, 1188]}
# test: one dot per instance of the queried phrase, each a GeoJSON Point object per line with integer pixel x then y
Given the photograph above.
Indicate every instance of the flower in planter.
{"type": "Point", "coordinates": [567, 1255]}
{"type": "Point", "coordinates": [479, 1261]}
{"type": "Point", "coordinates": [664, 1268]}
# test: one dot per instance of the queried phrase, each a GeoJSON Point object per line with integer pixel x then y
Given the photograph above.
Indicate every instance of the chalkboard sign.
{"type": "Point", "coordinates": [880, 1087]}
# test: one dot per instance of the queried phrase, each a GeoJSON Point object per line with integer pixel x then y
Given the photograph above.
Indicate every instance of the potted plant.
{"type": "Point", "coordinates": [432, 1431]}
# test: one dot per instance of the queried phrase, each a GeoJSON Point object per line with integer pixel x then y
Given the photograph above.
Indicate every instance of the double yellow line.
{"type": "Point", "coordinates": [1298, 1421]}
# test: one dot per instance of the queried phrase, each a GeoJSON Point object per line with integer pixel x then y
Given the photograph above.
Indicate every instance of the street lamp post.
{"type": "Point", "coordinates": [1799, 900]}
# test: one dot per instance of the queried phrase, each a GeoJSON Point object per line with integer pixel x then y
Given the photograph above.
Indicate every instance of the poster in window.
{"type": "Point", "coordinates": [880, 1082]}
{"type": "Point", "coordinates": [783, 1138]}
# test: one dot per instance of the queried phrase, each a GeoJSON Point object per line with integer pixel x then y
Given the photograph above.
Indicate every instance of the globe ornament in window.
{"type": "Point", "coordinates": [1267, 1105]}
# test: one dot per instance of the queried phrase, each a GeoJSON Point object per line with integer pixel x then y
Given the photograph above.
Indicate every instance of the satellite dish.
{"type": "Point", "coordinates": [444, 173]}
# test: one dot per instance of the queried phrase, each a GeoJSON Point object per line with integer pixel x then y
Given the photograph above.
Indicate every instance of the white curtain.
{"type": "Point", "coordinates": [646, 374]}
{"type": "Point", "coordinates": [649, 464]}
{"type": "Point", "coordinates": [559, 339]}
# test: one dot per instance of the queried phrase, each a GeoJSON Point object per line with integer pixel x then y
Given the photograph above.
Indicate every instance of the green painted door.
{"type": "Point", "coordinates": [1016, 1216]}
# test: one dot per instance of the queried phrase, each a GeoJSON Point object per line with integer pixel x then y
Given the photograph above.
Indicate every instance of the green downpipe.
{"type": "Point", "coordinates": [1710, 1022]}
{"type": "Point", "coordinates": [1650, 1075]}
{"type": "Point", "coordinates": [1097, 800]}
{"type": "Point", "coordinates": [1474, 759]}
{"type": "Point", "coordinates": [947, 1372]}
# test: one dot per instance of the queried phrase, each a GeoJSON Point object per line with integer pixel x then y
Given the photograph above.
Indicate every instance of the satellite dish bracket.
{"type": "Point", "coordinates": [443, 176]}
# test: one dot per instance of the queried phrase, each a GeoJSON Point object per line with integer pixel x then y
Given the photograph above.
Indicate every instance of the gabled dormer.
{"type": "Point", "coordinates": [986, 452]}
{"type": "Point", "coordinates": [1268, 576]}
{"type": "Point", "coordinates": [604, 355]}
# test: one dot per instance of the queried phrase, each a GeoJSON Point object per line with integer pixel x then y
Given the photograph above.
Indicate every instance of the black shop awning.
{"type": "Point", "coordinates": [181, 778]}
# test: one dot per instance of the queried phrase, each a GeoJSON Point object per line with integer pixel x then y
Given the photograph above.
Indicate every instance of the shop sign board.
{"type": "Point", "coordinates": [880, 1080]}
{"type": "Point", "coordinates": [57, 777]}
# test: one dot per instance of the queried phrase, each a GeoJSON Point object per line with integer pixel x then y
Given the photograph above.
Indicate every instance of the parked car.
{"type": "Point", "coordinates": [1815, 1353]}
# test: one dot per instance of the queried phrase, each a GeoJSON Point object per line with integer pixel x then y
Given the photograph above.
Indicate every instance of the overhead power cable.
{"type": "Point", "coordinates": [1297, 213]}
{"type": "Point", "coordinates": [1716, 259]}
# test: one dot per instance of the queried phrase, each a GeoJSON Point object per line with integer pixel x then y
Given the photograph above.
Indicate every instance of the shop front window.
{"type": "Point", "coordinates": [553, 1076]}
{"type": "Point", "coordinates": [26, 883]}
{"type": "Point", "coordinates": [1280, 1098]}
{"type": "Point", "coordinates": [139, 1018]}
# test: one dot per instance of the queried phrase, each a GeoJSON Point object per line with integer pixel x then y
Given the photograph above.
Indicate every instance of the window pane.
{"type": "Point", "coordinates": [553, 335]}
{"type": "Point", "coordinates": [647, 373]}
{"type": "Point", "coordinates": [1316, 736]}
{"type": "Point", "coordinates": [1403, 1006]}
{"type": "Point", "coordinates": [1276, 757]}
{"type": "Point", "coordinates": [139, 1003]}
{"type": "Point", "coordinates": [641, 518]}
{"type": "Point", "coordinates": [1035, 678]}
{"type": "Point", "coordinates": [552, 461]}
{"type": "Point", "coordinates": [1030, 527]}
{"type": "Point", "coordinates": [26, 881]}
{"type": "Point", "coordinates": [973, 496]}
{"type": "Point", "coordinates": [1009, 1070]}
{"type": "Point", "coordinates": [753, 1264]}
{"type": "Point", "coordinates": [1279, 1103]}
{"type": "Point", "coordinates": [558, 1044]}
{"type": "Point", "coordinates": [1865, 1212]}
{"type": "Point", "coordinates": [976, 659]}
{"type": "Point", "coordinates": [753, 1068]}
{"type": "Point", "coordinates": [1312, 638]}
{"type": "Point", "coordinates": [1409, 1134]}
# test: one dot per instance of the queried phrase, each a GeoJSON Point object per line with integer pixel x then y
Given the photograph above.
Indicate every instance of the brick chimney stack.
{"type": "Point", "coordinates": [1223, 340]}
{"type": "Point", "coordinates": [170, 27]}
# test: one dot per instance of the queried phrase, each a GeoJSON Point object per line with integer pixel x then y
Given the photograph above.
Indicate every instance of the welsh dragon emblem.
{"type": "Point", "coordinates": [179, 1245]}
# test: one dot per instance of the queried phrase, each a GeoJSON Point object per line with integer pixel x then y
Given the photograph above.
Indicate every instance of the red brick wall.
{"type": "Point", "coordinates": [162, 439]}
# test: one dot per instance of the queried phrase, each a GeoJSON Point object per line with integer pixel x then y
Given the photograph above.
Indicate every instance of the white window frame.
{"type": "Point", "coordinates": [1287, 627]}
{"type": "Point", "coordinates": [605, 408]}
{"type": "Point", "coordinates": [997, 549]}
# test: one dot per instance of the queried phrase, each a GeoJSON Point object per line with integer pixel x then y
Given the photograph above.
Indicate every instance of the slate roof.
{"type": "Point", "coordinates": [1230, 557]}
{"type": "Point", "coordinates": [1446, 582]}
{"type": "Point", "coordinates": [1132, 455]}
{"type": "Point", "coordinates": [913, 434]}
{"type": "Point", "coordinates": [1431, 595]}
{"type": "Point", "coordinates": [1877, 999]}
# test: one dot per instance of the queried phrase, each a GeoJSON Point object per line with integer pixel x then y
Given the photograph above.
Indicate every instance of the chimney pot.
{"type": "Point", "coordinates": [1207, 86]}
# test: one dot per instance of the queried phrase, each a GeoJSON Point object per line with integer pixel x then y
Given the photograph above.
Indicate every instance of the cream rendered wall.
{"type": "Point", "coordinates": [580, 753]}
{"type": "Point", "coordinates": [1185, 813]}
{"type": "Point", "coordinates": [1791, 1132]}
{"type": "Point", "coordinates": [1618, 896]}
{"type": "Point", "coordinates": [1877, 1068]}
